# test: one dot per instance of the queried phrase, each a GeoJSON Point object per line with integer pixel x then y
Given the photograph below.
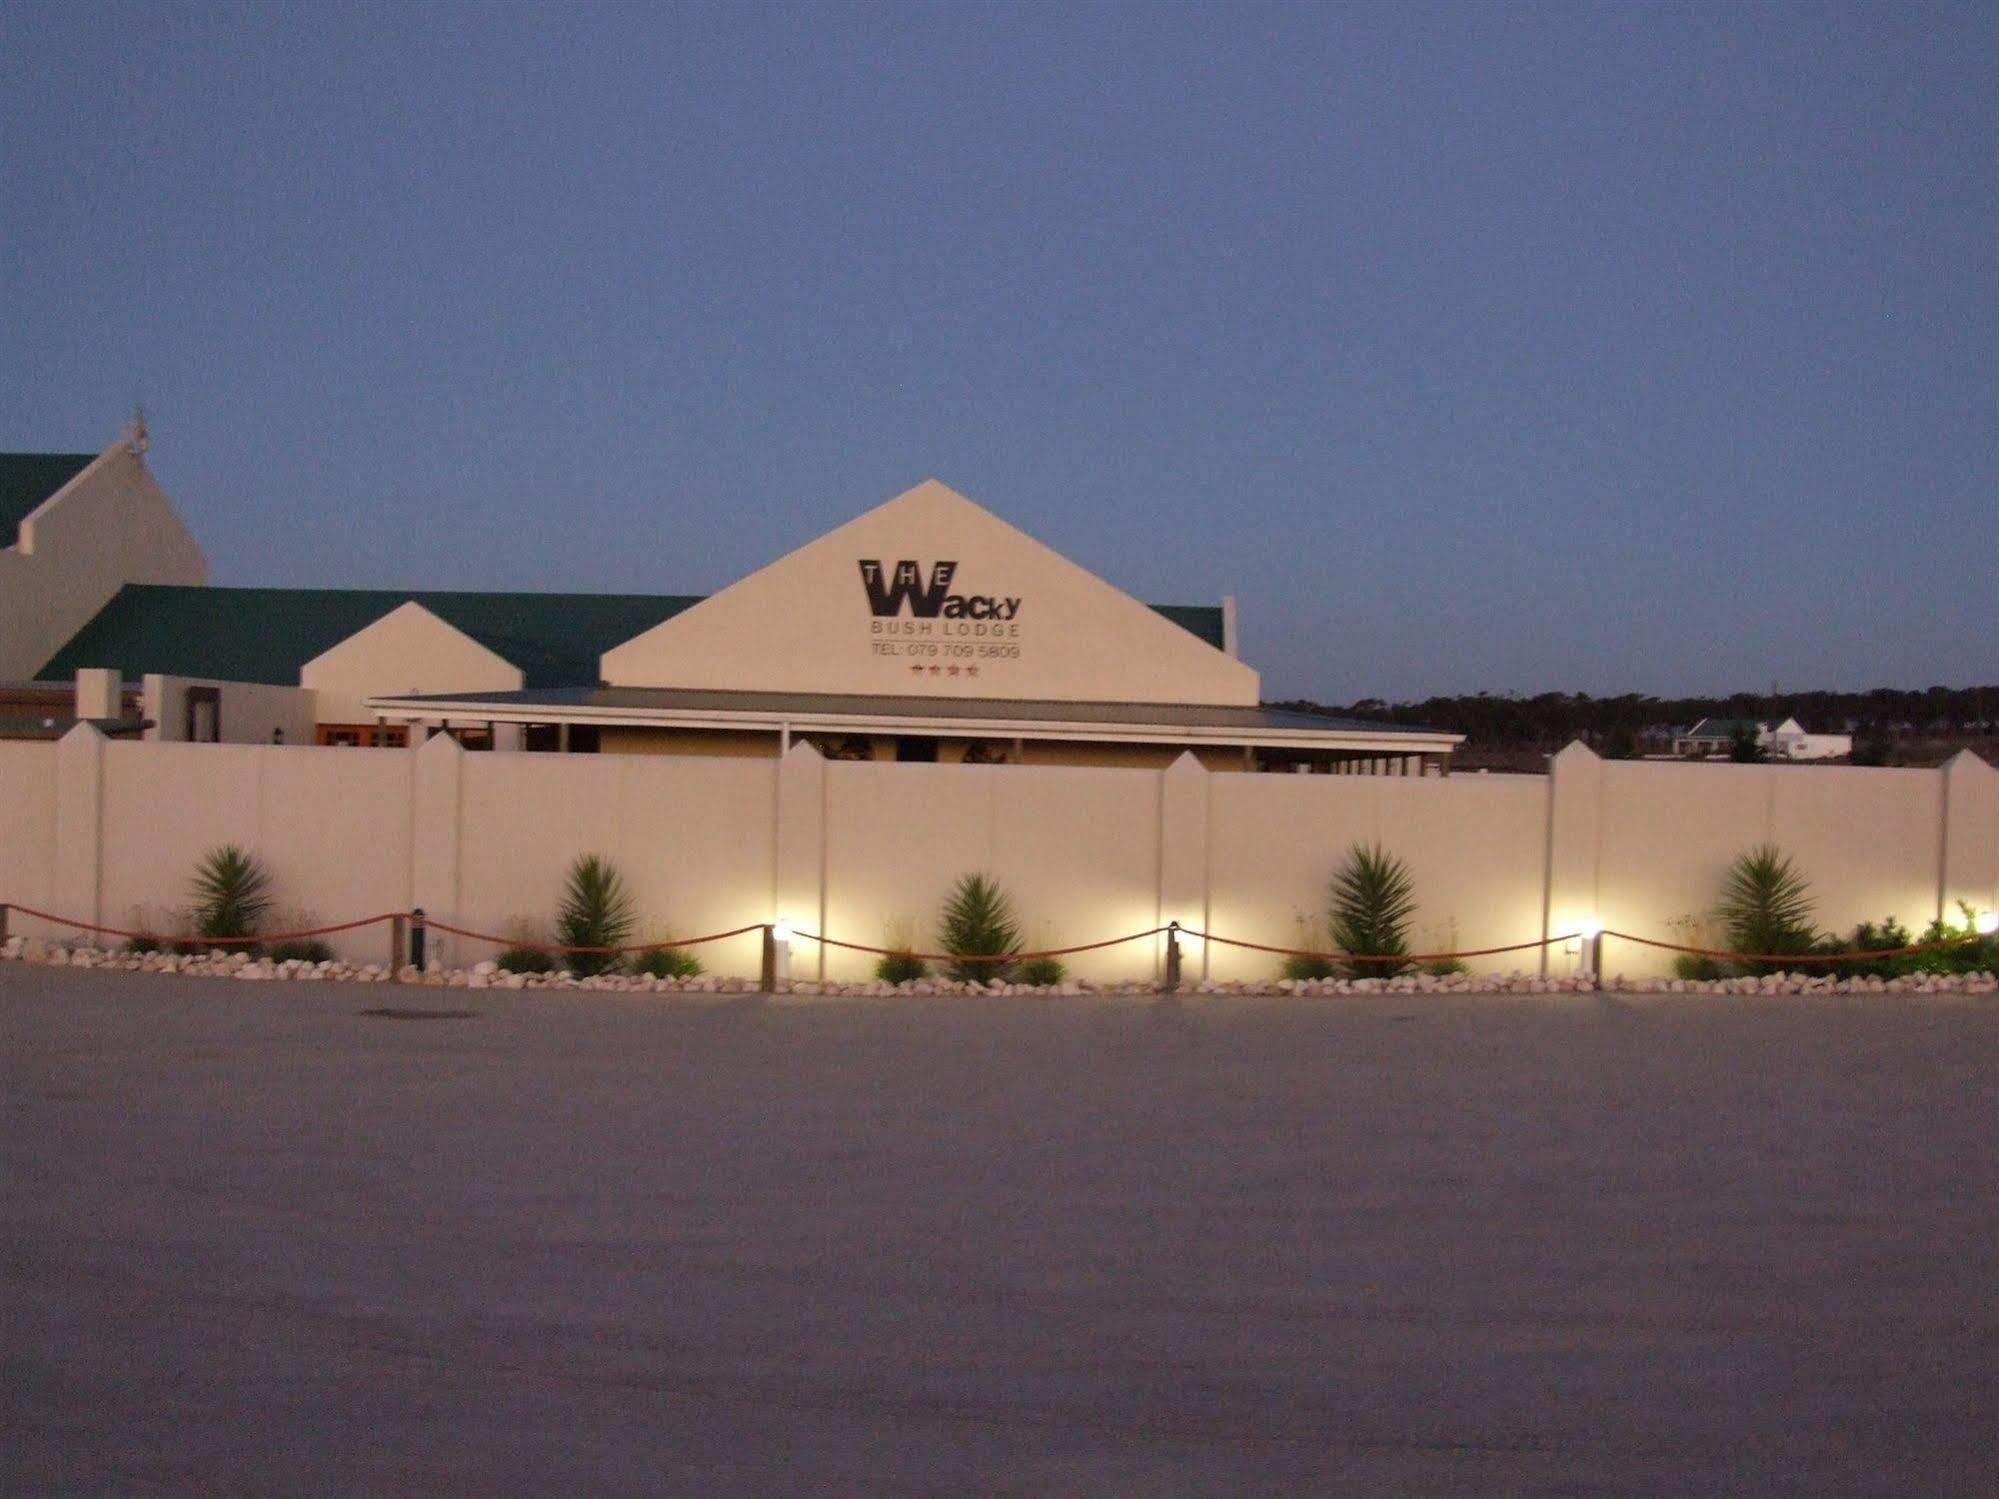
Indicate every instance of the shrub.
{"type": "Point", "coordinates": [1691, 965]}
{"type": "Point", "coordinates": [1980, 955]}
{"type": "Point", "coordinates": [978, 921]}
{"type": "Point", "coordinates": [302, 950]}
{"type": "Point", "coordinates": [526, 960]}
{"type": "Point", "coordinates": [1444, 967]}
{"type": "Point", "coordinates": [1743, 745]}
{"type": "Point", "coordinates": [1302, 968]}
{"type": "Point", "coordinates": [667, 963]}
{"type": "Point", "coordinates": [900, 966]}
{"type": "Point", "coordinates": [1766, 907]}
{"type": "Point", "coordinates": [596, 911]}
{"type": "Point", "coordinates": [1042, 973]}
{"type": "Point", "coordinates": [231, 891]}
{"type": "Point", "coordinates": [1373, 899]}
{"type": "Point", "coordinates": [144, 942]}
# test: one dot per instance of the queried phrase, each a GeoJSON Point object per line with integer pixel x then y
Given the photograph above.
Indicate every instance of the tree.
{"type": "Point", "coordinates": [1743, 748]}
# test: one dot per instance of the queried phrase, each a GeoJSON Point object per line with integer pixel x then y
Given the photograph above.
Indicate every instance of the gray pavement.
{"type": "Point", "coordinates": [257, 1242]}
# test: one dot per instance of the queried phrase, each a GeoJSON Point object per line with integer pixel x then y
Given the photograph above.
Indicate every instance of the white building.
{"type": "Point", "coordinates": [1785, 740]}
{"type": "Point", "coordinates": [925, 629]}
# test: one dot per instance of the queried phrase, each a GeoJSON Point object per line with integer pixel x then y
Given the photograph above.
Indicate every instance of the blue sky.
{"type": "Point", "coordinates": [1473, 347]}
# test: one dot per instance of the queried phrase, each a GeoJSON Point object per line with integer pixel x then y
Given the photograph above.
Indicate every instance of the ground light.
{"type": "Point", "coordinates": [1986, 923]}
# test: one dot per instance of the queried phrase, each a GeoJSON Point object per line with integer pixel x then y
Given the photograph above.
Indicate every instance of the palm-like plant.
{"type": "Point", "coordinates": [231, 891]}
{"type": "Point", "coordinates": [1766, 905]}
{"type": "Point", "coordinates": [1373, 899]}
{"type": "Point", "coordinates": [978, 921]}
{"type": "Point", "coordinates": [596, 911]}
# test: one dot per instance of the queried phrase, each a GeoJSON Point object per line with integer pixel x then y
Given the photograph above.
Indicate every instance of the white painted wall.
{"type": "Point", "coordinates": [803, 624]}
{"type": "Point", "coordinates": [109, 526]}
{"type": "Point", "coordinates": [250, 711]}
{"type": "Point", "coordinates": [102, 830]}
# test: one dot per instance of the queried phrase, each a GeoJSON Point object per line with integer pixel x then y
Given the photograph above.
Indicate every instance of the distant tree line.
{"type": "Point", "coordinates": [1623, 725]}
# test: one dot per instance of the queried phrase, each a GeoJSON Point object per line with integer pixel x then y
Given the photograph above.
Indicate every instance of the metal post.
{"type": "Point", "coordinates": [1172, 955]}
{"type": "Point", "coordinates": [416, 938]}
{"type": "Point", "coordinates": [399, 926]}
{"type": "Point", "coordinates": [768, 979]}
{"type": "Point", "coordinates": [3, 920]}
{"type": "Point", "coordinates": [1589, 963]}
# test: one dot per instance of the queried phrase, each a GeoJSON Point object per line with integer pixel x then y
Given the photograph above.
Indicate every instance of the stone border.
{"type": "Point", "coordinates": [488, 975]}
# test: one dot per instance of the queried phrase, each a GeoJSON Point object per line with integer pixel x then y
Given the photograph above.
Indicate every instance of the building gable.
{"type": "Point", "coordinates": [408, 649]}
{"type": "Point", "coordinates": [930, 594]}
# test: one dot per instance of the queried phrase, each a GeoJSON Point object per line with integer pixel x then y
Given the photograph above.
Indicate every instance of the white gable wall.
{"type": "Point", "coordinates": [806, 623]}
{"type": "Point", "coordinates": [109, 526]}
{"type": "Point", "coordinates": [410, 651]}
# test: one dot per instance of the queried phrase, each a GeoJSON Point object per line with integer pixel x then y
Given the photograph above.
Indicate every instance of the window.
{"type": "Point", "coordinates": [364, 735]}
{"type": "Point", "coordinates": [204, 715]}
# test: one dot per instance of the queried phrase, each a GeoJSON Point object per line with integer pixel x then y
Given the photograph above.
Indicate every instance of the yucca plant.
{"type": "Point", "coordinates": [978, 921]}
{"type": "Point", "coordinates": [1766, 906]}
{"type": "Point", "coordinates": [1373, 899]}
{"type": "Point", "coordinates": [231, 891]}
{"type": "Point", "coordinates": [596, 911]}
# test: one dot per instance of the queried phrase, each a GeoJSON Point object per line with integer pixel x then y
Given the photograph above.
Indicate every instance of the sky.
{"type": "Point", "coordinates": [1472, 347]}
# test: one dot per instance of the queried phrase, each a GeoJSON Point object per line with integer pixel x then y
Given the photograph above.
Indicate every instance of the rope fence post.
{"type": "Point", "coordinates": [399, 926]}
{"type": "Point", "coordinates": [1172, 956]}
{"type": "Point", "coordinates": [767, 979]}
{"type": "Point", "coordinates": [4, 908]}
{"type": "Point", "coordinates": [416, 939]}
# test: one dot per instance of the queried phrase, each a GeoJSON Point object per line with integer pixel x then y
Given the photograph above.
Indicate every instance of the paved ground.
{"type": "Point", "coordinates": [258, 1242]}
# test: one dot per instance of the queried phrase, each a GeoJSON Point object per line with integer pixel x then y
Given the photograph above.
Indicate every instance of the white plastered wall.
{"type": "Point", "coordinates": [409, 651]}
{"type": "Point", "coordinates": [96, 830]}
{"type": "Point", "coordinates": [248, 712]}
{"type": "Point", "coordinates": [803, 624]}
{"type": "Point", "coordinates": [109, 526]}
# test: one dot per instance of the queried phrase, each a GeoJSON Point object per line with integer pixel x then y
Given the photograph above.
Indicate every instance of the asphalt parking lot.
{"type": "Point", "coordinates": [260, 1242]}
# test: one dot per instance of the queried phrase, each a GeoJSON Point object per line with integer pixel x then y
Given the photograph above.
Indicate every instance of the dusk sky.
{"type": "Point", "coordinates": [1628, 348]}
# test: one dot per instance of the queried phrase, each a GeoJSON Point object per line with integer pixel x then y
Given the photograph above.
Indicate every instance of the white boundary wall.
{"type": "Point", "coordinates": [109, 832]}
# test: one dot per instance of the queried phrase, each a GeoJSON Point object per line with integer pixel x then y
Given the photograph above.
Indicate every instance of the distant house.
{"type": "Point", "coordinates": [1779, 740]}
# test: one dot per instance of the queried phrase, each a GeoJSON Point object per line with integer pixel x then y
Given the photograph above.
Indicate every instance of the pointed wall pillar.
{"type": "Point", "coordinates": [436, 812]}
{"type": "Point", "coordinates": [1183, 858]}
{"type": "Point", "coordinates": [798, 891]}
{"type": "Point", "coordinates": [78, 887]}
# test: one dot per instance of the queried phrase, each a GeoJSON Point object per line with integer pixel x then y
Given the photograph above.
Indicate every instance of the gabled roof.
{"type": "Point", "coordinates": [1724, 728]}
{"type": "Point", "coordinates": [26, 479]}
{"type": "Point", "coordinates": [268, 634]}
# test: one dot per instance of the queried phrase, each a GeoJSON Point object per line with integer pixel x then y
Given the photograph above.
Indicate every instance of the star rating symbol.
{"type": "Point", "coordinates": [971, 671]}
{"type": "Point", "coordinates": [951, 670]}
{"type": "Point", "coordinates": [935, 669]}
{"type": "Point", "coordinates": [917, 670]}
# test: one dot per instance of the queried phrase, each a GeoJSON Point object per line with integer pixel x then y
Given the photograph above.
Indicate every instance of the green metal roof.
{"type": "Point", "coordinates": [26, 479]}
{"type": "Point", "coordinates": [1202, 620]}
{"type": "Point", "coordinates": [268, 634]}
{"type": "Point", "coordinates": [1724, 728]}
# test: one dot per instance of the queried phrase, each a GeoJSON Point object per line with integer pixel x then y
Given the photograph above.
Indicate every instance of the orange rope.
{"type": "Point", "coordinates": [112, 931]}
{"type": "Point", "coordinates": [1800, 957]}
{"type": "Point", "coordinates": [1351, 957]}
{"type": "Point", "coordinates": [972, 957]}
{"type": "Point", "coordinates": [444, 926]}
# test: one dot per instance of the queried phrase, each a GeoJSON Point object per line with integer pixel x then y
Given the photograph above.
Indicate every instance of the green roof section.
{"type": "Point", "coordinates": [268, 634]}
{"type": "Point", "coordinates": [26, 479]}
{"type": "Point", "coordinates": [1203, 621]}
